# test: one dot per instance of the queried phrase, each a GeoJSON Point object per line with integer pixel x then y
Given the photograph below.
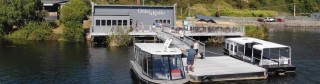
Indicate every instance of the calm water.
{"type": "Point", "coordinates": [54, 62]}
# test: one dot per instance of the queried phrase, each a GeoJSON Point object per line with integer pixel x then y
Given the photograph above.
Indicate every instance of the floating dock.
{"type": "Point", "coordinates": [224, 68]}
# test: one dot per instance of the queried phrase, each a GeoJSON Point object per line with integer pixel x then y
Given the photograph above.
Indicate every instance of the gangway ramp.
{"type": "Point", "coordinates": [178, 42]}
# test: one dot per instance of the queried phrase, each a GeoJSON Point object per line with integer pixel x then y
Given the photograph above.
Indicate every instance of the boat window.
{"type": "Point", "coordinates": [176, 67]}
{"type": "Point", "coordinates": [256, 55]}
{"type": "Point", "coordinates": [241, 48]}
{"type": "Point", "coordinates": [275, 53]}
{"type": "Point", "coordinates": [147, 64]}
{"type": "Point", "coordinates": [227, 46]}
{"type": "Point", "coordinates": [235, 49]}
{"type": "Point", "coordinates": [140, 58]}
{"type": "Point", "coordinates": [231, 47]}
{"type": "Point", "coordinates": [161, 68]}
{"type": "Point", "coordinates": [248, 49]}
{"type": "Point", "coordinates": [168, 67]}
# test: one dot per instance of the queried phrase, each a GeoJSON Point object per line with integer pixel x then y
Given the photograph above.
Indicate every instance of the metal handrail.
{"type": "Point", "coordinates": [187, 41]}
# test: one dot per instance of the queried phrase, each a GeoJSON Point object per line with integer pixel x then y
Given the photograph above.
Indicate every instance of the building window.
{"type": "Point", "coordinates": [164, 21]}
{"type": "Point", "coordinates": [125, 22]}
{"type": "Point", "coordinates": [168, 21]}
{"type": "Point", "coordinates": [103, 22]}
{"type": "Point", "coordinates": [114, 22]}
{"type": "Point", "coordinates": [97, 22]}
{"type": "Point", "coordinates": [119, 22]}
{"type": "Point", "coordinates": [160, 21]}
{"type": "Point", "coordinates": [157, 21]}
{"type": "Point", "coordinates": [108, 22]}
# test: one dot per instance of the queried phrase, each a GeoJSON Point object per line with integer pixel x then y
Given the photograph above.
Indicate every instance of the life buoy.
{"type": "Point", "coordinates": [206, 79]}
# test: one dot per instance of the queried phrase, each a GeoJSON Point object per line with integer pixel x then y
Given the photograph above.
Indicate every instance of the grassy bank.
{"type": "Point", "coordinates": [34, 31]}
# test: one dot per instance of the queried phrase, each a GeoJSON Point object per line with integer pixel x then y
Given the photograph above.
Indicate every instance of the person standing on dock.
{"type": "Point", "coordinates": [190, 58]}
{"type": "Point", "coordinates": [196, 46]}
{"type": "Point", "coordinates": [181, 34]}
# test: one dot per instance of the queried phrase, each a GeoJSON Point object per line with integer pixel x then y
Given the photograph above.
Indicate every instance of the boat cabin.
{"type": "Point", "coordinates": [156, 63]}
{"type": "Point", "coordinates": [272, 56]}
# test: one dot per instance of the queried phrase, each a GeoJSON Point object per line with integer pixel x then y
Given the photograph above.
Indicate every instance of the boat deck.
{"type": "Point", "coordinates": [223, 68]}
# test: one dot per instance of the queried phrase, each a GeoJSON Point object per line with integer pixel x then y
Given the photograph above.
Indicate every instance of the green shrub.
{"type": "Point", "coordinates": [227, 10]}
{"type": "Point", "coordinates": [73, 32]}
{"type": "Point", "coordinates": [119, 37]}
{"type": "Point", "coordinates": [75, 10]}
{"type": "Point", "coordinates": [2, 32]}
{"type": "Point", "coordinates": [72, 15]}
{"type": "Point", "coordinates": [257, 32]}
{"type": "Point", "coordinates": [33, 31]}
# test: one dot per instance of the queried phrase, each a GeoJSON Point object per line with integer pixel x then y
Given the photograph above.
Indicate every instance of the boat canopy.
{"type": "Point", "coordinates": [261, 43]}
{"type": "Point", "coordinates": [267, 46]}
{"type": "Point", "coordinates": [242, 40]}
{"type": "Point", "coordinates": [158, 49]}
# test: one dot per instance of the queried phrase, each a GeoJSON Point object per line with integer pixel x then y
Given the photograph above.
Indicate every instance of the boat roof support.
{"type": "Point", "coordinates": [260, 63]}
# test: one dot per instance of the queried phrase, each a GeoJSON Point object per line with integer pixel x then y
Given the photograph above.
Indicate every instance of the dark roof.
{"type": "Point", "coordinates": [206, 18]}
{"type": "Point", "coordinates": [51, 2]}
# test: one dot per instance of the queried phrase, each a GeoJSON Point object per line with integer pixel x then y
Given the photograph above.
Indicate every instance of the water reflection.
{"type": "Point", "coordinates": [56, 62]}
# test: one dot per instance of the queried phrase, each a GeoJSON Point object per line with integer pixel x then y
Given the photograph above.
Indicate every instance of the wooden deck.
{"type": "Point", "coordinates": [223, 68]}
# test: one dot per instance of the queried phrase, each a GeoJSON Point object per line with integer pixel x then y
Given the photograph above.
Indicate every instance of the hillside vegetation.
{"type": "Point", "coordinates": [247, 8]}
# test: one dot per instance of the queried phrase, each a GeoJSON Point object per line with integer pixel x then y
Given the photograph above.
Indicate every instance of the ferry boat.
{"type": "Point", "coordinates": [157, 63]}
{"type": "Point", "coordinates": [276, 58]}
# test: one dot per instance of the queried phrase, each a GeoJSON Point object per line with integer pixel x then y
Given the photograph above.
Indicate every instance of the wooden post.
{"type": "Point", "coordinates": [294, 10]}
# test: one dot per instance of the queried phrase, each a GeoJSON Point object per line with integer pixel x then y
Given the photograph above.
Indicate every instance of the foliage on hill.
{"type": "Point", "coordinates": [256, 31]}
{"type": "Point", "coordinates": [16, 13]}
{"type": "Point", "coordinates": [33, 31]}
{"type": "Point", "coordinates": [75, 10]}
{"type": "Point", "coordinates": [72, 15]}
{"type": "Point", "coordinates": [250, 8]}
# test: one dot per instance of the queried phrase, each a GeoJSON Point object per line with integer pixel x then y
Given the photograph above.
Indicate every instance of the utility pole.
{"type": "Point", "coordinates": [294, 10]}
{"type": "Point", "coordinates": [142, 2]}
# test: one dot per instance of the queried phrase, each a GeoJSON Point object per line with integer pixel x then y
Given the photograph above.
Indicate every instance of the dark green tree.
{"type": "Point", "coordinates": [16, 13]}
{"type": "Point", "coordinates": [72, 15]}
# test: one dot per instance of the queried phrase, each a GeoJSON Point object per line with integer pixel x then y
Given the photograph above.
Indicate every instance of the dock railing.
{"type": "Point", "coordinates": [235, 30]}
{"type": "Point", "coordinates": [143, 28]}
